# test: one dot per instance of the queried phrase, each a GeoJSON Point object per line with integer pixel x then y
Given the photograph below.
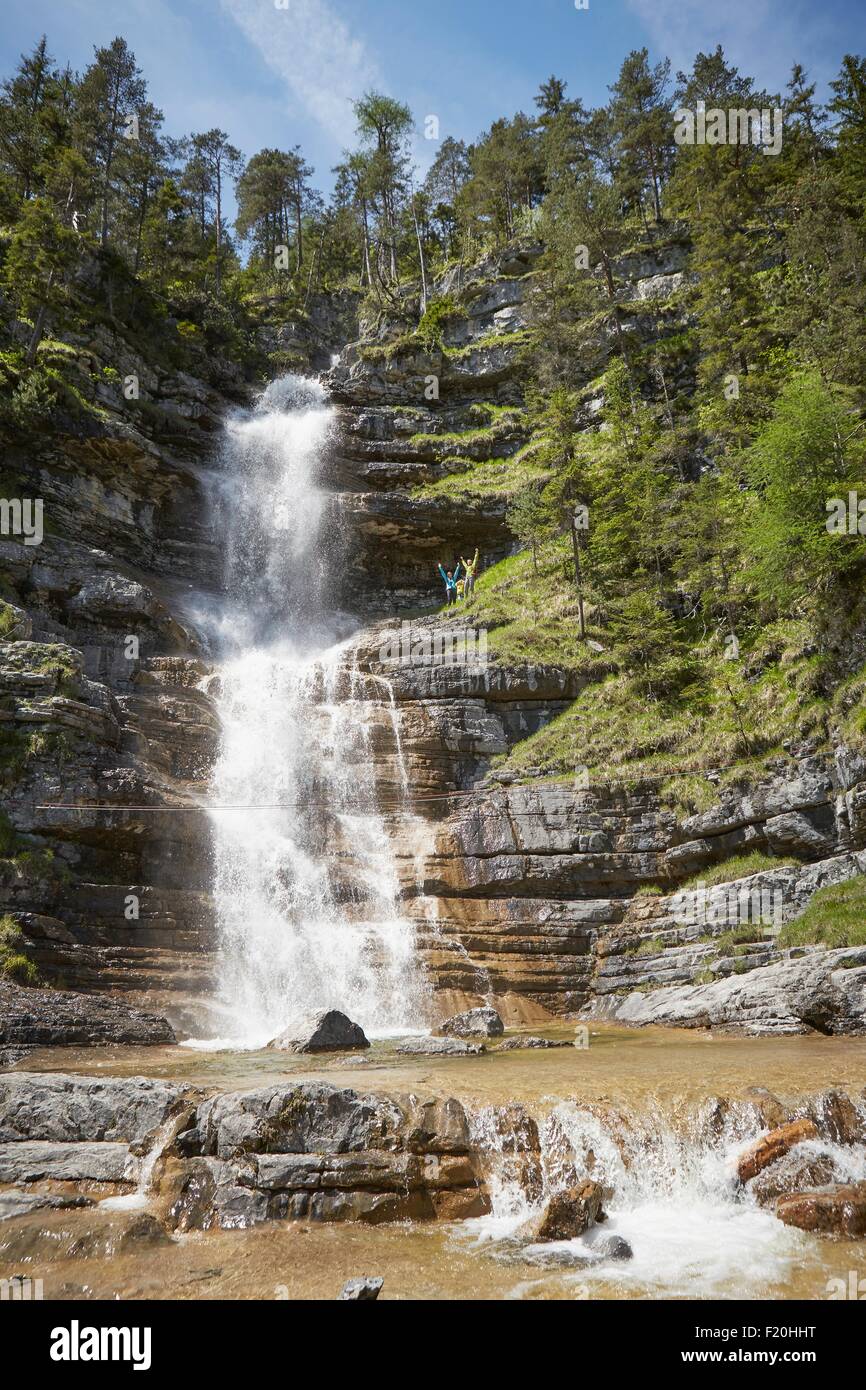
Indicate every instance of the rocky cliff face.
{"type": "Point", "coordinates": [547, 897]}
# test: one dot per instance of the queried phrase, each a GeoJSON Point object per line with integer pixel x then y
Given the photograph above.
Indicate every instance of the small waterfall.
{"type": "Point", "coordinates": [671, 1192]}
{"type": "Point", "coordinates": [306, 888]}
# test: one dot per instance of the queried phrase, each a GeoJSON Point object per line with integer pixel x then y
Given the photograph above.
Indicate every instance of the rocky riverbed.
{"type": "Point", "coordinates": [646, 1164]}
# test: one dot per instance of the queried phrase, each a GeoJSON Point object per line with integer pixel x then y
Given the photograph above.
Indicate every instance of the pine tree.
{"type": "Point", "coordinates": [641, 115]}
{"type": "Point", "coordinates": [108, 103]}
{"type": "Point", "coordinates": [220, 161]}
{"type": "Point", "coordinates": [849, 107]}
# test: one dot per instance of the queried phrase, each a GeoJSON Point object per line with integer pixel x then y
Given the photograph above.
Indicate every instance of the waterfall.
{"type": "Point", "coordinates": [306, 887]}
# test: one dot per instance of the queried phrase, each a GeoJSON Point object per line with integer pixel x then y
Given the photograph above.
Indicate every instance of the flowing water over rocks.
{"type": "Point", "coordinates": [470, 1151]}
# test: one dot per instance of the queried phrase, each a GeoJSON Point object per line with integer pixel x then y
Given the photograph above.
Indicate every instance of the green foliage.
{"type": "Point", "coordinates": [739, 866]}
{"type": "Point", "coordinates": [436, 315]}
{"type": "Point", "coordinates": [33, 402]}
{"type": "Point", "coordinates": [835, 917]}
{"type": "Point", "coordinates": [15, 965]}
{"type": "Point", "coordinates": [805, 455]}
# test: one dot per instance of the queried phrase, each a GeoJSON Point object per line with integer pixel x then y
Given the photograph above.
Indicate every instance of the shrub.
{"type": "Point", "coordinates": [14, 964]}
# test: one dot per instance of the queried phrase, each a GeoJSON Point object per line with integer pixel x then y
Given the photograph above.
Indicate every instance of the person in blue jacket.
{"type": "Point", "coordinates": [450, 584]}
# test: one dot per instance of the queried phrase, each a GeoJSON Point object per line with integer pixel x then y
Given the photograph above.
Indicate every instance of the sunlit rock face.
{"type": "Point", "coordinates": [275, 565]}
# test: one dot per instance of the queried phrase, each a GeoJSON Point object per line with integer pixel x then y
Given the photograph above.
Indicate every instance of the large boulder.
{"type": "Point", "coordinates": [566, 1215]}
{"type": "Point", "coordinates": [774, 1146]}
{"type": "Point", "coordinates": [837, 1210]}
{"type": "Point", "coordinates": [329, 1031]}
{"type": "Point", "coordinates": [314, 1153]}
{"type": "Point", "coordinates": [477, 1023]}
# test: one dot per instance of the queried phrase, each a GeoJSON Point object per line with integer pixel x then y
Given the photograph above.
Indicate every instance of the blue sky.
{"type": "Point", "coordinates": [282, 76]}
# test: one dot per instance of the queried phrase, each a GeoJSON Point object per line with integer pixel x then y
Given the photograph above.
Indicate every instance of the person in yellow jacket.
{"type": "Point", "coordinates": [471, 571]}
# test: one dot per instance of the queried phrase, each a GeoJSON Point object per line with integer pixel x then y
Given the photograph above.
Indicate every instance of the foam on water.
{"type": "Point", "coordinates": [672, 1194]}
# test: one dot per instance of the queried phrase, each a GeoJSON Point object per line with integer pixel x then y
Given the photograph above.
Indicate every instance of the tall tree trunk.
{"type": "Point", "coordinates": [421, 258]}
{"type": "Point", "coordinates": [219, 230]}
{"type": "Point", "coordinates": [316, 261]}
{"type": "Point", "coordinates": [39, 325]}
{"type": "Point", "coordinates": [367, 267]}
{"type": "Point", "coordinates": [578, 577]}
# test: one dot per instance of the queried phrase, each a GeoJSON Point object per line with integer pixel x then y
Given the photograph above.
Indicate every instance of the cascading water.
{"type": "Point", "coordinates": [671, 1193]}
{"type": "Point", "coordinates": [306, 889]}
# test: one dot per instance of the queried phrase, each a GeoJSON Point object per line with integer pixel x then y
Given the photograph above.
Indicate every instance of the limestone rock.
{"type": "Point", "coordinates": [51, 1106]}
{"type": "Point", "coordinates": [440, 1047]}
{"type": "Point", "coordinates": [823, 991]}
{"type": "Point", "coordinates": [329, 1031]}
{"type": "Point", "coordinates": [37, 1161]}
{"type": "Point", "coordinates": [477, 1023]}
{"type": "Point", "coordinates": [315, 1153]}
{"type": "Point", "coordinates": [306, 1118]}
{"type": "Point", "coordinates": [60, 1018]}
{"type": "Point", "coordinates": [361, 1291]}
{"type": "Point", "coordinates": [16, 1203]}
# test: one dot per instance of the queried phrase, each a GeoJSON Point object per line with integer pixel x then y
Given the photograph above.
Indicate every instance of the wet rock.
{"type": "Point", "coordinates": [798, 1171]}
{"type": "Point", "coordinates": [774, 1146]}
{"type": "Point", "coordinates": [438, 1127]}
{"type": "Point", "coordinates": [772, 1112]}
{"type": "Point", "coordinates": [566, 1215]}
{"type": "Point", "coordinates": [83, 1109]}
{"type": "Point", "coordinates": [530, 1044]}
{"type": "Point", "coordinates": [512, 1134]}
{"type": "Point", "coordinates": [315, 1153]}
{"type": "Point", "coordinates": [104, 1236]}
{"type": "Point", "coordinates": [837, 1210]}
{"type": "Point", "coordinates": [361, 1291]}
{"type": "Point", "coordinates": [14, 1203]}
{"type": "Point", "coordinates": [329, 1031]}
{"type": "Point", "coordinates": [59, 1018]}
{"type": "Point", "coordinates": [440, 1047]}
{"type": "Point", "coordinates": [613, 1248]}
{"type": "Point", "coordinates": [838, 1118]}
{"type": "Point", "coordinates": [307, 1118]}
{"type": "Point", "coordinates": [477, 1023]}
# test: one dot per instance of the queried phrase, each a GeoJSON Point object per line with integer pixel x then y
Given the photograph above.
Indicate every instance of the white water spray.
{"type": "Point", "coordinates": [672, 1194]}
{"type": "Point", "coordinates": [306, 889]}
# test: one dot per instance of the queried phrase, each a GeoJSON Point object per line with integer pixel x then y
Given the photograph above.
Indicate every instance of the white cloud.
{"type": "Point", "coordinates": [323, 65]}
